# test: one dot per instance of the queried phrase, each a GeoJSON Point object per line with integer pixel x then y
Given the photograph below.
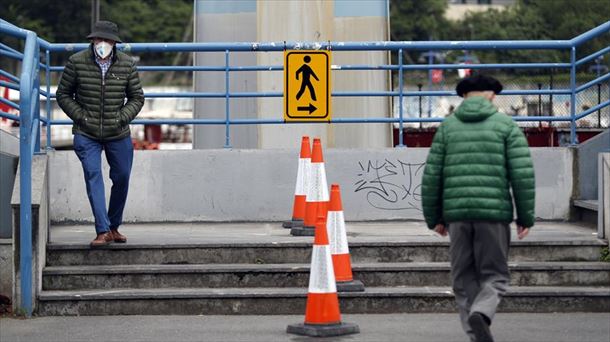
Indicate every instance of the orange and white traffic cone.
{"type": "Point", "coordinates": [300, 191]}
{"type": "Point", "coordinates": [316, 202]}
{"type": "Point", "coordinates": [339, 250]}
{"type": "Point", "coordinates": [322, 315]}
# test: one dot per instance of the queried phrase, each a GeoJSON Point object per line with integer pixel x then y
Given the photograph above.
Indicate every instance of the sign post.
{"type": "Point", "coordinates": [307, 85]}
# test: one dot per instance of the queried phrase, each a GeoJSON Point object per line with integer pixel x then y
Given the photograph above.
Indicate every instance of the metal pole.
{"type": "Point", "coordinates": [49, 115]}
{"type": "Point", "coordinates": [419, 86]}
{"type": "Point", "coordinates": [539, 105]}
{"type": "Point", "coordinates": [95, 12]}
{"type": "Point", "coordinates": [573, 95]}
{"type": "Point", "coordinates": [26, 87]}
{"type": "Point", "coordinates": [36, 98]}
{"type": "Point", "coordinates": [430, 62]}
{"type": "Point", "coordinates": [400, 97]}
{"type": "Point", "coordinates": [599, 100]}
{"type": "Point", "coordinates": [599, 93]}
{"type": "Point", "coordinates": [227, 100]}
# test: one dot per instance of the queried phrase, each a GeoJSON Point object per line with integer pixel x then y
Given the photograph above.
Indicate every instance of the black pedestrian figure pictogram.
{"type": "Point", "coordinates": [306, 82]}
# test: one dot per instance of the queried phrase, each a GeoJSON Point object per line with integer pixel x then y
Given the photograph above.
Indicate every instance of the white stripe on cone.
{"type": "Point", "coordinates": [302, 173]}
{"type": "Point", "coordinates": [337, 237]}
{"type": "Point", "coordinates": [321, 275]}
{"type": "Point", "coordinates": [318, 188]}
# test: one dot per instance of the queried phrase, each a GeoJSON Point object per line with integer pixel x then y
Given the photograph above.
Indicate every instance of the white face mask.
{"type": "Point", "coordinates": [103, 49]}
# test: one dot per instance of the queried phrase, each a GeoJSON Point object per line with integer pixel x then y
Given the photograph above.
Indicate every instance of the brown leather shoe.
{"type": "Point", "coordinates": [102, 239]}
{"type": "Point", "coordinates": [118, 237]}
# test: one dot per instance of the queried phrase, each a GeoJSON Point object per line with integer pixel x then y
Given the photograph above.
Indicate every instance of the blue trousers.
{"type": "Point", "coordinates": [119, 154]}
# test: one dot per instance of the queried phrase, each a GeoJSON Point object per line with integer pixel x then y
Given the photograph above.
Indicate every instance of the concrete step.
{"type": "Point", "coordinates": [297, 275]}
{"type": "Point", "coordinates": [587, 204]}
{"type": "Point", "coordinates": [300, 252]}
{"type": "Point", "coordinates": [266, 301]}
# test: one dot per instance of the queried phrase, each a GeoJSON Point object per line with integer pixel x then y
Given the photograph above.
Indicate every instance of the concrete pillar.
{"type": "Point", "coordinates": [361, 21]}
{"type": "Point", "coordinates": [225, 21]}
{"type": "Point", "coordinates": [278, 21]}
{"type": "Point", "coordinates": [308, 21]}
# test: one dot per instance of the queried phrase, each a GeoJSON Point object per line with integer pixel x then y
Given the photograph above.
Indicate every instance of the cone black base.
{"type": "Point", "coordinates": [325, 330]}
{"type": "Point", "coordinates": [303, 231]}
{"type": "Point", "coordinates": [292, 223]}
{"type": "Point", "coordinates": [350, 286]}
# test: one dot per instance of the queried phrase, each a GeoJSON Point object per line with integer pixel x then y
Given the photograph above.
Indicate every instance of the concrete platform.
{"type": "Point", "coordinates": [273, 232]}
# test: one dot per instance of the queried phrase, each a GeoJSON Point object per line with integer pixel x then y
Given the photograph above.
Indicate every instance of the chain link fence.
{"type": "Point", "coordinates": [514, 105]}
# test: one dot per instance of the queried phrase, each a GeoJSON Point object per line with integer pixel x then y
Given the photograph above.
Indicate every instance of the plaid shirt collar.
{"type": "Point", "coordinates": [104, 65]}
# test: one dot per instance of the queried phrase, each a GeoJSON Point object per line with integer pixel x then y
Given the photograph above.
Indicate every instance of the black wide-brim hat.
{"type": "Point", "coordinates": [478, 83]}
{"type": "Point", "coordinates": [106, 30]}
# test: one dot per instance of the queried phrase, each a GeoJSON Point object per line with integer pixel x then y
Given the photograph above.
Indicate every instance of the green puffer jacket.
{"type": "Point", "coordinates": [477, 154]}
{"type": "Point", "coordinates": [97, 106]}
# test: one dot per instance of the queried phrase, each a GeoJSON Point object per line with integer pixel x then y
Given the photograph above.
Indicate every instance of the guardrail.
{"type": "Point", "coordinates": [29, 143]}
{"type": "Point", "coordinates": [28, 85]}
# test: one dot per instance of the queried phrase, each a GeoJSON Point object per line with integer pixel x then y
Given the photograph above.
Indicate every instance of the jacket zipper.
{"type": "Point", "coordinates": [103, 97]}
{"type": "Point", "coordinates": [102, 104]}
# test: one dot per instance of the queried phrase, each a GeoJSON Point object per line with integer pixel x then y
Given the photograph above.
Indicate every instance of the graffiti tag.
{"type": "Point", "coordinates": [391, 185]}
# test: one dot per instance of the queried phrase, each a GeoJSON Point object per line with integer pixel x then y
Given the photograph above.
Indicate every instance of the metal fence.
{"type": "Point", "coordinates": [532, 105]}
{"type": "Point", "coordinates": [31, 122]}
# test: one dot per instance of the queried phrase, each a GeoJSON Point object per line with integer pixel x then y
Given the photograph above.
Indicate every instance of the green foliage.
{"type": "Point", "coordinates": [417, 20]}
{"type": "Point", "coordinates": [605, 255]}
{"type": "Point", "coordinates": [525, 20]}
{"type": "Point", "coordinates": [70, 21]}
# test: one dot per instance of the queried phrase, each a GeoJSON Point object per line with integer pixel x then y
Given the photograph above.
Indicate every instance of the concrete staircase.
{"type": "Point", "coordinates": [260, 269]}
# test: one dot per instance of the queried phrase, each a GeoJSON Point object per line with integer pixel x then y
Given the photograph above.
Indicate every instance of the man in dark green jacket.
{"type": "Point", "coordinates": [92, 92]}
{"type": "Point", "coordinates": [477, 156]}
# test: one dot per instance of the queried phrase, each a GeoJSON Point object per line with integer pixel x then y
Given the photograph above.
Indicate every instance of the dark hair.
{"type": "Point", "coordinates": [478, 83]}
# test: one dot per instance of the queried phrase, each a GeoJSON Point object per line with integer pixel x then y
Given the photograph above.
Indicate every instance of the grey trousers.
{"type": "Point", "coordinates": [479, 267]}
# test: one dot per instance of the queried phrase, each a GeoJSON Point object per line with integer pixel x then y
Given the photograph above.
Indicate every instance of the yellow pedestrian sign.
{"type": "Point", "coordinates": [307, 85]}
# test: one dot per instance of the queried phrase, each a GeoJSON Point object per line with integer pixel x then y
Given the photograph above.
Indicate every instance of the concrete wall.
{"type": "Point", "coordinates": [40, 228]}
{"type": "Point", "coordinates": [258, 185]}
{"type": "Point", "coordinates": [587, 164]}
{"type": "Point", "coordinates": [9, 150]}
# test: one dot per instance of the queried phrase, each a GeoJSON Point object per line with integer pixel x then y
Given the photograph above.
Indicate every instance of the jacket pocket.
{"type": "Point", "coordinates": [81, 118]}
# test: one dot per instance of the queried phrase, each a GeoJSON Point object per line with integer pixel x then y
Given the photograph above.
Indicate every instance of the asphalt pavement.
{"type": "Point", "coordinates": [564, 327]}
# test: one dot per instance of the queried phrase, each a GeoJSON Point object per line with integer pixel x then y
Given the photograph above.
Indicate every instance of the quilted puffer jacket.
{"type": "Point", "coordinates": [476, 156]}
{"type": "Point", "coordinates": [97, 105]}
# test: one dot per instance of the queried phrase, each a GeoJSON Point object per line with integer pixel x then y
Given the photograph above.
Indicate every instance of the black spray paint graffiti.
{"type": "Point", "coordinates": [391, 185]}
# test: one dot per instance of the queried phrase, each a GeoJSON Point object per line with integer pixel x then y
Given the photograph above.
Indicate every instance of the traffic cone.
{"type": "Point", "coordinates": [300, 191]}
{"type": "Point", "coordinates": [322, 316]}
{"type": "Point", "coordinates": [339, 250]}
{"type": "Point", "coordinates": [317, 198]}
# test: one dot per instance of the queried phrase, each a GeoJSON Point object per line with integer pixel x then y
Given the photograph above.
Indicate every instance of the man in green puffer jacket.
{"type": "Point", "coordinates": [92, 92]}
{"type": "Point", "coordinates": [477, 156]}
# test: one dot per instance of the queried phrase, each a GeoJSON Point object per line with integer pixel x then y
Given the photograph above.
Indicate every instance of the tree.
{"type": "Point", "coordinates": [417, 20]}
{"type": "Point", "coordinates": [69, 21]}
{"type": "Point", "coordinates": [535, 20]}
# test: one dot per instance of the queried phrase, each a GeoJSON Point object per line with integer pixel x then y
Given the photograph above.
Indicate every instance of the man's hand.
{"type": "Point", "coordinates": [440, 229]}
{"type": "Point", "coordinates": [522, 232]}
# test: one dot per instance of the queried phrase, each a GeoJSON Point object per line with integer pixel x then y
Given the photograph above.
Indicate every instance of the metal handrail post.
{"type": "Point", "coordinates": [400, 97]}
{"type": "Point", "coordinates": [49, 114]}
{"type": "Point", "coordinates": [25, 181]}
{"type": "Point", "coordinates": [227, 101]}
{"type": "Point", "coordinates": [36, 99]}
{"type": "Point", "coordinates": [573, 96]}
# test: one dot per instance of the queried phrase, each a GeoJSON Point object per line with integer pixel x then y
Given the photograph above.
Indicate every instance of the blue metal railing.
{"type": "Point", "coordinates": [28, 84]}
{"type": "Point", "coordinates": [29, 143]}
